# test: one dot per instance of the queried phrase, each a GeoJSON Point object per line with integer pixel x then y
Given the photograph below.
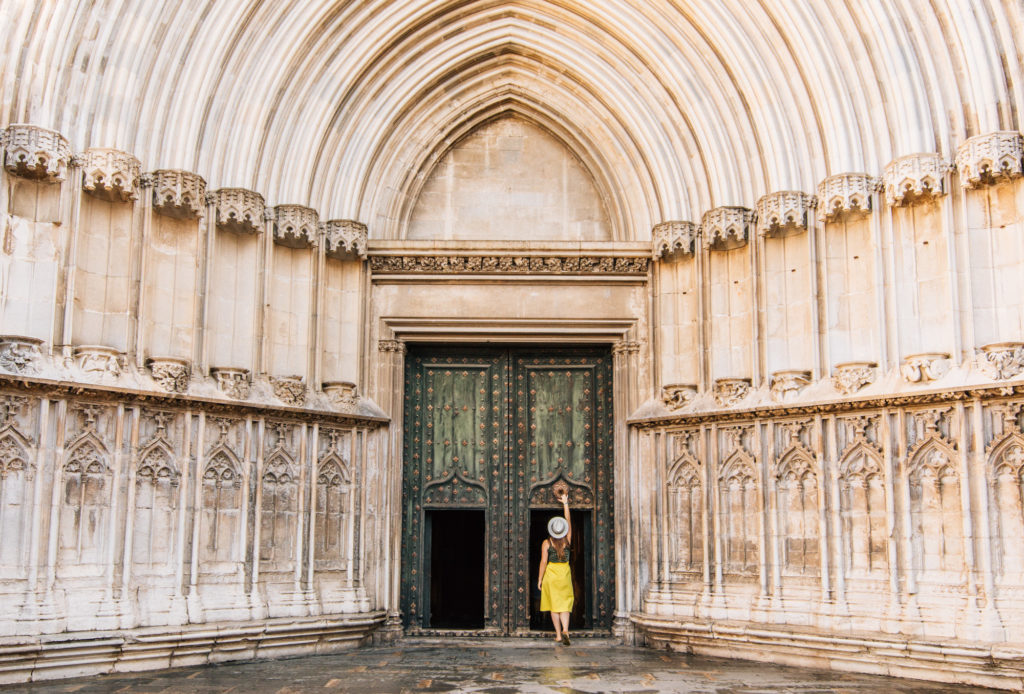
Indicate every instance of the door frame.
{"type": "Point", "coordinates": [629, 345]}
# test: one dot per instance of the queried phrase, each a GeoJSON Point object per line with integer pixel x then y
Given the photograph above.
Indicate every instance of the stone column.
{"type": "Point", "coordinates": [390, 397]}
{"type": "Point", "coordinates": [627, 551]}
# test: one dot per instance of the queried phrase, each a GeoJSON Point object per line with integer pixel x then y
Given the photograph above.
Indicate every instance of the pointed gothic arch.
{"type": "Point", "coordinates": [862, 509]}
{"type": "Point", "coordinates": [1006, 490]}
{"type": "Point", "coordinates": [936, 532]}
{"type": "Point", "coordinates": [334, 513]}
{"type": "Point", "coordinates": [797, 506]}
{"type": "Point", "coordinates": [739, 513]}
{"type": "Point", "coordinates": [85, 502]}
{"type": "Point", "coordinates": [686, 504]}
{"type": "Point", "coordinates": [157, 492]}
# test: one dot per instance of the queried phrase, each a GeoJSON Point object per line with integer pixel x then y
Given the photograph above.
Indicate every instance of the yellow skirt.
{"type": "Point", "coordinates": [556, 588]}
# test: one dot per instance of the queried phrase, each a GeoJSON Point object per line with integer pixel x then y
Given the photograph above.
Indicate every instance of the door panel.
{"type": "Point", "coordinates": [496, 429]}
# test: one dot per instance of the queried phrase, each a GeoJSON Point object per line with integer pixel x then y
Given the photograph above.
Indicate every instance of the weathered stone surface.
{"type": "Point", "coordinates": [915, 177]}
{"type": "Point", "coordinates": [989, 158]}
{"type": "Point", "coordinates": [35, 152]}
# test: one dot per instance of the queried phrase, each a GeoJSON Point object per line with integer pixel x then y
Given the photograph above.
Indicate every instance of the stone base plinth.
{"type": "Point", "coordinates": [951, 661]}
{"type": "Point", "coordinates": [73, 654]}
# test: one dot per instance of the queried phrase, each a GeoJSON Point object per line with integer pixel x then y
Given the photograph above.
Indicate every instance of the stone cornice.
{"type": "Point", "coordinates": [668, 238]}
{"type": "Point", "coordinates": [985, 159]}
{"type": "Point", "coordinates": [509, 264]}
{"type": "Point", "coordinates": [43, 387]}
{"type": "Point", "coordinates": [932, 397]}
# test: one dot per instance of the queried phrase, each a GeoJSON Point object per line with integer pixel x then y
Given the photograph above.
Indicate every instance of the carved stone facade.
{"type": "Point", "coordinates": [35, 152]}
{"type": "Point", "coordinates": [344, 237]}
{"type": "Point", "coordinates": [239, 210]}
{"type": "Point", "coordinates": [176, 193]}
{"type": "Point", "coordinates": [509, 264]}
{"type": "Point", "coordinates": [110, 174]}
{"type": "Point", "coordinates": [673, 237]}
{"type": "Point", "coordinates": [19, 354]}
{"type": "Point", "coordinates": [915, 177]}
{"type": "Point", "coordinates": [783, 212]}
{"type": "Point", "coordinates": [991, 157]}
{"type": "Point", "coordinates": [845, 193]}
{"type": "Point", "coordinates": [296, 226]}
{"type": "Point", "coordinates": [170, 373]}
{"type": "Point", "coordinates": [726, 227]}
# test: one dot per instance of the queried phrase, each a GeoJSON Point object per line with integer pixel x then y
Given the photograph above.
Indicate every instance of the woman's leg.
{"type": "Point", "coordinates": [564, 618]}
{"type": "Point", "coordinates": [557, 621]}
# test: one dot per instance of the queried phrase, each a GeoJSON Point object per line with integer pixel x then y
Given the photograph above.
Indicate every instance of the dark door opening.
{"type": "Point", "coordinates": [579, 565]}
{"type": "Point", "coordinates": [455, 555]}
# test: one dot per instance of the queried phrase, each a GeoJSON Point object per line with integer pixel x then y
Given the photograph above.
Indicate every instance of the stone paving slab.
{"type": "Point", "coordinates": [498, 666]}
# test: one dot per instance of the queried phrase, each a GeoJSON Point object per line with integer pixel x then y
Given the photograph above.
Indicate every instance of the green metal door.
{"type": "Point", "coordinates": [493, 430]}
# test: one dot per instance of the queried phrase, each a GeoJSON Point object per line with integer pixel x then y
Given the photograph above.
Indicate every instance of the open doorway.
{"type": "Point", "coordinates": [455, 555]}
{"type": "Point", "coordinates": [579, 561]}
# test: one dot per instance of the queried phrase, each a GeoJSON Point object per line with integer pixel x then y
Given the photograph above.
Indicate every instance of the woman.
{"type": "Point", "coordinates": [555, 582]}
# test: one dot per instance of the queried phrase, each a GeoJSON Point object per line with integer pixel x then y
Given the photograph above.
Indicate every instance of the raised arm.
{"type": "Point", "coordinates": [565, 507]}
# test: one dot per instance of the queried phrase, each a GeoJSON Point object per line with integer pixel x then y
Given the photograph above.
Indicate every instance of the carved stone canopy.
{"type": "Point", "coordinates": [783, 213]}
{"type": "Point", "coordinates": [845, 193]}
{"type": "Point", "coordinates": [239, 210]}
{"type": "Point", "coordinates": [924, 367]}
{"type": "Point", "coordinates": [296, 226]}
{"type": "Point", "coordinates": [725, 228]}
{"type": "Point", "coordinates": [110, 174]}
{"type": "Point", "coordinates": [985, 159]}
{"type": "Point", "coordinates": [851, 376]}
{"type": "Point", "coordinates": [345, 237]}
{"type": "Point", "coordinates": [34, 152]}
{"type": "Point", "coordinates": [915, 177]}
{"type": "Point", "coordinates": [729, 391]}
{"type": "Point", "coordinates": [786, 385]}
{"type": "Point", "coordinates": [176, 193]}
{"type": "Point", "coordinates": [668, 238]}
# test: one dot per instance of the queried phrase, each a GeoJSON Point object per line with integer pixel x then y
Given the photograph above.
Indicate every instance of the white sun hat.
{"type": "Point", "coordinates": [558, 527]}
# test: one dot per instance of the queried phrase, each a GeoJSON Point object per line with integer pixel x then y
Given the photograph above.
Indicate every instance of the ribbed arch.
{"type": "Point", "coordinates": [715, 102]}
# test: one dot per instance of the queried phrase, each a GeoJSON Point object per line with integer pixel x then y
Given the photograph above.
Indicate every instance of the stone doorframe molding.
{"type": "Point", "coordinates": [628, 351]}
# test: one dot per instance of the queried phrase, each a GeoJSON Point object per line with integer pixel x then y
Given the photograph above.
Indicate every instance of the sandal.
{"type": "Point", "coordinates": [565, 640]}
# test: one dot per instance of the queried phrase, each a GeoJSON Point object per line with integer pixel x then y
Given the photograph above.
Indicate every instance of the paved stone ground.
{"type": "Point", "coordinates": [491, 667]}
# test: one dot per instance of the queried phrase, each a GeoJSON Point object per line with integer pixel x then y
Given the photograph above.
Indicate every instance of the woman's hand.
{"type": "Point", "coordinates": [540, 584]}
{"type": "Point", "coordinates": [565, 499]}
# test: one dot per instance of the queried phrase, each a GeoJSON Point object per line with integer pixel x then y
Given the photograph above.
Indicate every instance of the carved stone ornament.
{"type": "Point", "coordinates": [729, 391]}
{"type": "Point", "coordinates": [343, 394]}
{"type": "Point", "coordinates": [845, 193]}
{"type": "Point", "coordinates": [851, 376]}
{"type": "Point", "coordinates": [289, 389]}
{"type": "Point", "coordinates": [678, 395]}
{"type": "Point", "coordinates": [20, 354]}
{"type": "Point", "coordinates": [669, 238]}
{"type": "Point", "coordinates": [391, 346]}
{"type": "Point", "coordinates": [725, 228]}
{"type": "Point", "coordinates": [110, 174]}
{"type": "Point", "coordinates": [915, 177]}
{"type": "Point", "coordinates": [34, 152]}
{"type": "Point", "coordinates": [170, 373]}
{"type": "Point", "coordinates": [783, 213]}
{"type": "Point", "coordinates": [98, 360]}
{"type": "Point", "coordinates": [239, 210]}
{"type": "Point", "coordinates": [508, 264]}
{"type": "Point", "coordinates": [1002, 360]}
{"type": "Point", "coordinates": [985, 159]}
{"type": "Point", "coordinates": [924, 367]}
{"type": "Point", "coordinates": [232, 382]}
{"type": "Point", "coordinates": [176, 193]}
{"type": "Point", "coordinates": [786, 385]}
{"type": "Point", "coordinates": [296, 226]}
{"type": "Point", "coordinates": [344, 237]}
